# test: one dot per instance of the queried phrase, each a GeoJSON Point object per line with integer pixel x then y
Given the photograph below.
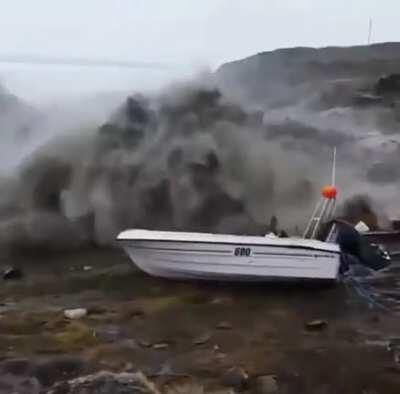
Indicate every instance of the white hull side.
{"type": "Point", "coordinates": [191, 260]}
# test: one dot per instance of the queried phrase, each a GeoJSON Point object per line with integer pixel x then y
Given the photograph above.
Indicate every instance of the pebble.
{"type": "Point", "coordinates": [202, 339]}
{"type": "Point", "coordinates": [378, 343]}
{"type": "Point", "coordinates": [236, 378]}
{"type": "Point", "coordinates": [12, 273]}
{"type": "Point", "coordinates": [392, 368]}
{"type": "Point", "coordinates": [128, 367]}
{"type": "Point", "coordinates": [224, 325]}
{"type": "Point", "coordinates": [221, 301]}
{"type": "Point", "coordinates": [316, 325]}
{"type": "Point", "coordinates": [375, 319]}
{"type": "Point", "coordinates": [75, 314]}
{"type": "Point", "coordinates": [144, 343]}
{"type": "Point", "coordinates": [160, 346]}
{"type": "Point", "coordinates": [220, 356]}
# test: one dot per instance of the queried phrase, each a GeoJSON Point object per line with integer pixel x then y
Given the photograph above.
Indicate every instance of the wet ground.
{"type": "Point", "coordinates": [215, 333]}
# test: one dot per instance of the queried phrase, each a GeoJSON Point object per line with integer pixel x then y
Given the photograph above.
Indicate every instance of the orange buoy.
{"type": "Point", "coordinates": [330, 192]}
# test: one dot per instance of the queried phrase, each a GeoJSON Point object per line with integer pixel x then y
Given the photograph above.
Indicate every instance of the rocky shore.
{"type": "Point", "coordinates": [144, 335]}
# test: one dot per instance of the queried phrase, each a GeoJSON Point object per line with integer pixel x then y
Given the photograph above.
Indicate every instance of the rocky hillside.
{"type": "Point", "coordinates": [314, 99]}
{"type": "Point", "coordinates": [16, 116]}
{"type": "Point", "coordinates": [193, 158]}
{"type": "Point", "coordinates": [18, 120]}
{"type": "Point", "coordinates": [286, 76]}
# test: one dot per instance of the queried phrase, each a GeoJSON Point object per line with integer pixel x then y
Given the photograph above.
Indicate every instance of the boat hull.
{"type": "Point", "coordinates": [226, 261]}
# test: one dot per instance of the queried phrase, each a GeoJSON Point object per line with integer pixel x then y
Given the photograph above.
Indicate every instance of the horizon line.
{"type": "Point", "coordinates": [81, 61]}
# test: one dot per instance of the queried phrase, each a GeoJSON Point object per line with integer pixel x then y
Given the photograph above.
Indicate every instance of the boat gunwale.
{"type": "Point", "coordinates": [237, 244]}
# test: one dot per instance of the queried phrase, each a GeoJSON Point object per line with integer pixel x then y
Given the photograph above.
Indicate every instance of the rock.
{"type": "Point", "coordinates": [374, 319]}
{"type": "Point", "coordinates": [164, 370]}
{"type": "Point", "coordinates": [236, 378]}
{"type": "Point", "coordinates": [133, 313]}
{"type": "Point", "coordinates": [389, 84]}
{"type": "Point", "coordinates": [8, 306]}
{"type": "Point", "coordinates": [96, 310]}
{"type": "Point", "coordinates": [224, 325]}
{"type": "Point", "coordinates": [60, 368]}
{"type": "Point", "coordinates": [128, 367]}
{"type": "Point", "coordinates": [325, 389]}
{"type": "Point", "coordinates": [266, 385]}
{"type": "Point", "coordinates": [19, 366]}
{"type": "Point", "coordinates": [392, 369]}
{"type": "Point", "coordinates": [220, 356]}
{"type": "Point", "coordinates": [10, 384]}
{"type": "Point", "coordinates": [394, 343]}
{"type": "Point", "coordinates": [202, 339]}
{"type": "Point", "coordinates": [316, 325]}
{"type": "Point", "coordinates": [222, 301]}
{"type": "Point", "coordinates": [74, 314]}
{"type": "Point", "coordinates": [107, 383]}
{"type": "Point", "coordinates": [160, 346]}
{"type": "Point", "coordinates": [109, 333]}
{"type": "Point", "coordinates": [144, 343]}
{"type": "Point", "coordinates": [182, 385]}
{"type": "Point", "coordinates": [378, 343]}
{"type": "Point", "coordinates": [12, 273]}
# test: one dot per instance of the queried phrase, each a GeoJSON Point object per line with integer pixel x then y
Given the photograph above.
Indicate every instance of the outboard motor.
{"type": "Point", "coordinates": [373, 256]}
{"type": "Point", "coordinates": [356, 249]}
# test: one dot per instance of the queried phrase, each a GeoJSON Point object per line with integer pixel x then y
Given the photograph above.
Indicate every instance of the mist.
{"type": "Point", "coordinates": [189, 156]}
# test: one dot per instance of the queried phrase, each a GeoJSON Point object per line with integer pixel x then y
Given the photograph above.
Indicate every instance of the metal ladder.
{"type": "Point", "coordinates": [323, 211]}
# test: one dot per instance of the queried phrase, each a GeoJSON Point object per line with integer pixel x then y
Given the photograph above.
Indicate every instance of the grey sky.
{"type": "Point", "coordinates": [187, 33]}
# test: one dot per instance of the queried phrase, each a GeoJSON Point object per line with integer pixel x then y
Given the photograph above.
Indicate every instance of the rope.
{"type": "Point", "coordinates": [363, 293]}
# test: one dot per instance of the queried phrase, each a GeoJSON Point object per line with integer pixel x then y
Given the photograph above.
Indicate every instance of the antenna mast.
{"type": "Point", "coordinates": [334, 167]}
{"type": "Point", "coordinates": [370, 31]}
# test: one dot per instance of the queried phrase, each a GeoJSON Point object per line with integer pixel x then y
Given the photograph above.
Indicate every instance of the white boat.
{"type": "Point", "coordinates": [183, 255]}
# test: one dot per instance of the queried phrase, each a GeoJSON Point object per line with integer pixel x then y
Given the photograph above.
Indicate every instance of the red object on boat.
{"type": "Point", "coordinates": [329, 192]}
